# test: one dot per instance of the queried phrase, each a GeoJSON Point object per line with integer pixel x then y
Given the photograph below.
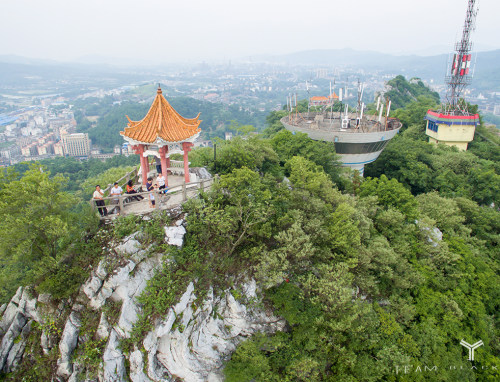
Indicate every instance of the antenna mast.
{"type": "Point", "coordinates": [458, 77]}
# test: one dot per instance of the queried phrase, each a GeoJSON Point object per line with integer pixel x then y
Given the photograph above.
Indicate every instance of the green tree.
{"type": "Point", "coordinates": [35, 220]}
{"type": "Point", "coordinates": [390, 193]}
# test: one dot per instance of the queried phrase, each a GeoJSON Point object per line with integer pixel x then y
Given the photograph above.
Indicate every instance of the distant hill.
{"type": "Point", "coordinates": [486, 73]}
{"type": "Point", "coordinates": [402, 92]}
{"type": "Point", "coordinates": [15, 70]}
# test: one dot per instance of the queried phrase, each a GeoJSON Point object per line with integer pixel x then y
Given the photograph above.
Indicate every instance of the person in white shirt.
{"type": "Point", "coordinates": [116, 191]}
{"type": "Point", "coordinates": [99, 201]}
{"type": "Point", "coordinates": [160, 181]}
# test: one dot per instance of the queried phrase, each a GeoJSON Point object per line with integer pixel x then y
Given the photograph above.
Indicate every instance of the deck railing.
{"type": "Point", "coordinates": [128, 203]}
{"type": "Point", "coordinates": [176, 166]}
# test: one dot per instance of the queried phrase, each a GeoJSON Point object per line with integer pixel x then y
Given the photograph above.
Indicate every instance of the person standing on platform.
{"type": "Point", "coordinates": [99, 201]}
{"type": "Point", "coordinates": [152, 190]}
{"type": "Point", "coordinates": [116, 191]}
{"type": "Point", "coordinates": [158, 165]}
{"type": "Point", "coordinates": [160, 180]}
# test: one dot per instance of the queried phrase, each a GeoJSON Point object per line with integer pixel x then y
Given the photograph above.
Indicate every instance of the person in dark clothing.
{"type": "Point", "coordinates": [130, 190]}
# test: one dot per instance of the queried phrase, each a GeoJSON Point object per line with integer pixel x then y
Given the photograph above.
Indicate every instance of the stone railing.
{"type": "Point", "coordinates": [140, 202]}
{"type": "Point", "coordinates": [122, 182]}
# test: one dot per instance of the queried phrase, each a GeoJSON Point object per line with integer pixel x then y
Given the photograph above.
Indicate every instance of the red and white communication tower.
{"type": "Point", "coordinates": [459, 74]}
{"type": "Point", "coordinates": [453, 125]}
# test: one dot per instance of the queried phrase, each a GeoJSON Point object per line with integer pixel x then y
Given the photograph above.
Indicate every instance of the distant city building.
{"type": "Point", "coordinates": [10, 152]}
{"type": "Point", "coordinates": [322, 73]}
{"type": "Point", "coordinates": [58, 149]}
{"type": "Point", "coordinates": [76, 145]}
{"type": "Point", "coordinates": [29, 151]}
{"type": "Point", "coordinates": [117, 150]}
{"type": "Point", "coordinates": [323, 101]}
{"type": "Point", "coordinates": [496, 110]}
{"type": "Point", "coordinates": [46, 149]}
{"type": "Point", "coordinates": [228, 135]}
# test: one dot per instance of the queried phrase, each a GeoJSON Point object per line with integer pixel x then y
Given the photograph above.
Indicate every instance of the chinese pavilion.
{"type": "Point", "coordinates": [160, 133]}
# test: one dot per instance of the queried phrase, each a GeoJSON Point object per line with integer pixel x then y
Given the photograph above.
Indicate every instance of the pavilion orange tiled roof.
{"type": "Point", "coordinates": [319, 98]}
{"type": "Point", "coordinates": [323, 98]}
{"type": "Point", "coordinates": [162, 121]}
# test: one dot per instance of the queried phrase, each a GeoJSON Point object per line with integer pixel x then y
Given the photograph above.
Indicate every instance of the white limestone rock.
{"type": "Point", "coordinates": [128, 247]}
{"type": "Point", "coordinates": [67, 345]}
{"type": "Point", "coordinates": [17, 350]}
{"type": "Point", "coordinates": [92, 286]}
{"type": "Point", "coordinates": [175, 235]}
{"type": "Point", "coordinates": [119, 278]}
{"type": "Point", "coordinates": [45, 343]}
{"type": "Point", "coordinates": [44, 298]}
{"type": "Point", "coordinates": [103, 328]}
{"type": "Point", "coordinates": [128, 316]}
{"type": "Point", "coordinates": [101, 271]}
{"type": "Point", "coordinates": [114, 361]}
{"type": "Point", "coordinates": [15, 328]}
{"type": "Point", "coordinates": [29, 306]}
{"type": "Point", "coordinates": [17, 296]}
{"type": "Point", "coordinates": [195, 348]}
{"type": "Point", "coordinates": [137, 367]}
{"type": "Point", "coordinates": [11, 310]}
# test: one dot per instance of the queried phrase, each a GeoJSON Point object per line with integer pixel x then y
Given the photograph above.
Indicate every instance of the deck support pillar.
{"type": "Point", "coordinates": [164, 162]}
{"type": "Point", "coordinates": [186, 146]}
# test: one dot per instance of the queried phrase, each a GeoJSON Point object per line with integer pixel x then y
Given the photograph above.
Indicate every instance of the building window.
{"type": "Point", "coordinates": [432, 126]}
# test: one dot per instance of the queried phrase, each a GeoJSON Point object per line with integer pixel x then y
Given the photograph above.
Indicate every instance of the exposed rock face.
{"type": "Point", "coordinates": [175, 235]}
{"type": "Point", "coordinates": [67, 345]}
{"type": "Point", "coordinates": [191, 342]}
{"type": "Point", "coordinates": [15, 327]}
{"type": "Point", "coordinates": [201, 172]}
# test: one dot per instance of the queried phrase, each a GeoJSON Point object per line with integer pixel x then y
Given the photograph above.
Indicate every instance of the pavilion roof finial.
{"type": "Point", "coordinates": [159, 89]}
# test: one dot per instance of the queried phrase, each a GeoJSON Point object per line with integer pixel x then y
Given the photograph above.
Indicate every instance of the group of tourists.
{"type": "Point", "coordinates": [116, 191]}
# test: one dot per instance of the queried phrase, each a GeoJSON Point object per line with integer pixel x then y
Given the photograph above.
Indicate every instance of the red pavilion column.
{"type": "Point", "coordinates": [186, 146]}
{"type": "Point", "coordinates": [139, 149]}
{"type": "Point", "coordinates": [163, 158]}
{"type": "Point", "coordinates": [147, 166]}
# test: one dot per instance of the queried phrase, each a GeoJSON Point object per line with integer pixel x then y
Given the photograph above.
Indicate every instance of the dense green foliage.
{"type": "Point", "coordinates": [45, 238]}
{"type": "Point", "coordinates": [267, 155]}
{"type": "Point", "coordinates": [364, 287]}
{"type": "Point", "coordinates": [376, 283]}
{"type": "Point", "coordinates": [424, 167]}
{"type": "Point", "coordinates": [368, 284]}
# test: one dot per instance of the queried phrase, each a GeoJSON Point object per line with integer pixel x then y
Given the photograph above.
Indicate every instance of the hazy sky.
{"type": "Point", "coordinates": [167, 30]}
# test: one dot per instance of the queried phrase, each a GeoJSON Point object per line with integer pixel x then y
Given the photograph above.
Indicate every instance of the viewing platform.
{"type": "Point", "coordinates": [161, 133]}
{"type": "Point", "coordinates": [358, 141]}
{"type": "Point", "coordinates": [128, 204]}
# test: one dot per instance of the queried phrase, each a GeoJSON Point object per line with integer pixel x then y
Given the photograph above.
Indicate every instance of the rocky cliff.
{"type": "Point", "coordinates": [83, 336]}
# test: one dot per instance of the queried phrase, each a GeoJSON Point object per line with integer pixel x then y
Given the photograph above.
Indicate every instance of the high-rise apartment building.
{"type": "Point", "coordinates": [76, 145]}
